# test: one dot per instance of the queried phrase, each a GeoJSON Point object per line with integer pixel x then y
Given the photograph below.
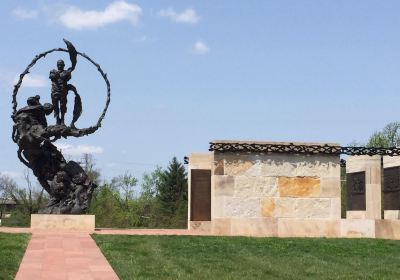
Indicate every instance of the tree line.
{"type": "Point", "coordinates": [160, 201]}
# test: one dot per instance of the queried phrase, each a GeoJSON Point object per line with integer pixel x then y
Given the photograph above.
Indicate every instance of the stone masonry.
{"type": "Point", "coordinates": [276, 186]}
{"type": "Point", "coordinates": [294, 195]}
{"type": "Point", "coordinates": [265, 194]}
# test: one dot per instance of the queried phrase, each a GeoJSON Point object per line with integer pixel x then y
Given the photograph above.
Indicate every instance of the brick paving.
{"type": "Point", "coordinates": [72, 255]}
{"type": "Point", "coordinates": [64, 255]}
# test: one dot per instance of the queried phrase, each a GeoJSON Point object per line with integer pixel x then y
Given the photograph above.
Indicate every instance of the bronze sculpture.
{"type": "Point", "coordinates": [66, 182]}
{"type": "Point", "coordinates": [59, 88]}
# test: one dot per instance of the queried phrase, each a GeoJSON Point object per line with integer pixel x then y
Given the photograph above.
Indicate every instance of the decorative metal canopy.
{"type": "Point", "coordinates": [291, 148]}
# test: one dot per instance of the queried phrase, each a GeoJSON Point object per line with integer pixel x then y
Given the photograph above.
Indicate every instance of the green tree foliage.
{"type": "Point", "coordinates": [172, 195]}
{"type": "Point", "coordinates": [161, 203]}
{"type": "Point", "coordinates": [147, 201]}
{"type": "Point", "coordinates": [115, 204]}
{"type": "Point", "coordinates": [172, 189]}
{"type": "Point", "coordinates": [125, 185]}
{"type": "Point", "coordinates": [6, 184]}
{"type": "Point", "coordinates": [150, 183]}
{"type": "Point", "coordinates": [109, 208]}
{"type": "Point", "coordinates": [389, 136]}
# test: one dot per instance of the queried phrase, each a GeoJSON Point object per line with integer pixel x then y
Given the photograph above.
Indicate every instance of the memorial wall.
{"type": "Point", "coordinates": [243, 191]}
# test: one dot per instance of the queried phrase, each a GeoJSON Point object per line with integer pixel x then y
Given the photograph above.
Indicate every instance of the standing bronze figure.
{"type": "Point", "coordinates": [67, 183]}
{"type": "Point", "coordinates": [59, 88]}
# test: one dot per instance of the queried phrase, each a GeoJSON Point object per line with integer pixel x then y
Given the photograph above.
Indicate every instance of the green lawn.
{"type": "Point", "coordinates": [187, 257]}
{"type": "Point", "coordinates": [12, 249]}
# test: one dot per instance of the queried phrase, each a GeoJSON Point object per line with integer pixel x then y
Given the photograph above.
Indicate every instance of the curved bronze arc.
{"type": "Point", "coordinates": [83, 131]}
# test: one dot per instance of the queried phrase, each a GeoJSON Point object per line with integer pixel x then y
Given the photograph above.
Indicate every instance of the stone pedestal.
{"type": "Point", "coordinates": [371, 165]}
{"type": "Point", "coordinates": [63, 222]}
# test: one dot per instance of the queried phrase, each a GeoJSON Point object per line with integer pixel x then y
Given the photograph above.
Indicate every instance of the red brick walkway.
{"type": "Point", "coordinates": [72, 255]}
{"type": "Point", "coordinates": [67, 256]}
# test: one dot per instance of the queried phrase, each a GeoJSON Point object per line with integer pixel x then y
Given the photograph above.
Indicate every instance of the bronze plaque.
{"type": "Point", "coordinates": [356, 191]}
{"type": "Point", "coordinates": [200, 196]}
{"type": "Point", "coordinates": [391, 188]}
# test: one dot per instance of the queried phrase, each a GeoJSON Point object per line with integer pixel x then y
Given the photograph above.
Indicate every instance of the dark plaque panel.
{"type": "Point", "coordinates": [200, 195]}
{"type": "Point", "coordinates": [391, 188]}
{"type": "Point", "coordinates": [356, 191]}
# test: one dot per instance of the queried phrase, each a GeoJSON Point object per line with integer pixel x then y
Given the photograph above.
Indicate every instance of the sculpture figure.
{"type": "Point", "coordinates": [66, 182]}
{"type": "Point", "coordinates": [59, 88]}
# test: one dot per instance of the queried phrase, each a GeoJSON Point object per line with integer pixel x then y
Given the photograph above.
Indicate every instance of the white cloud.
{"type": "Point", "coordinates": [187, 16]}
{"type": "Point", "coordinates": [78, 150]}
{"type": "Point", "coordinates": [75, 18]}
{"type": "Point", "coordinates": [9, 79]}
{"type": "Point", "coordinates": [23, 14]}
{"type": "Point", "coordinates": [32, 81]}
{"type": "Point", "coordinates": [200, 48]}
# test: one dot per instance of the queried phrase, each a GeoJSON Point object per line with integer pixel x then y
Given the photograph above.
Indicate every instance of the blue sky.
{"type": "Point", "coordinates": [186, 72]}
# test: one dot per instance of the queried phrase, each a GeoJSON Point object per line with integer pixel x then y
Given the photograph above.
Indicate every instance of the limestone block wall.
{"type": "Point", "coordinates": [371, 165]}
{"type": "Point", "coordinates": [290, 195]}
{"type": "Point", "coordinates": [269, 186]}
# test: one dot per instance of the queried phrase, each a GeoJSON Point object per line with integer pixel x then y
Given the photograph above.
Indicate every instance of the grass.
{"type": "Point", "coordinates": [189, 257]}
{"type": "Point", "coordinates": [12, 249]}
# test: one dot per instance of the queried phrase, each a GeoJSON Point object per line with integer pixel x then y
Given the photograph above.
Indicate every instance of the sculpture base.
{"type": "Point", "coordinates": [63, 222]}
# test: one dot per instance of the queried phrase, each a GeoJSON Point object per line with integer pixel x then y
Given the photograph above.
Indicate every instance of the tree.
{"type": "Point", "coordinates": [89, 163]}
{"type": "Point", "coordinates": [107, 207]}
{"type": "Point", "coordinates": [172, 194]}
{"type": "Point", "coordinates": [162, 201]}
{"type": "Point", "coordinates": [150, 183]}
{"type": "Point", "coordinates": [6, 185]}
{"type": "Point", "coordinates": [389, 136]}
{"type": "Point", "coordinates": [125, 184]}
{"type": "Point", "coordinates": [173, 184]}
{"type": "Point", "coordinates": [115, 204]}
{"type": "Point", "coordinates": [147, 201]}
{"type": "Point", "coordinates": [28, 200]}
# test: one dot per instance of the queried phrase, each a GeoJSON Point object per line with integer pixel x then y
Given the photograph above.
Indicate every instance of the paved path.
{"type": "Point", "coordinates": [72, 255]}
{"type": "Point", "coordinates": [66, 256]}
